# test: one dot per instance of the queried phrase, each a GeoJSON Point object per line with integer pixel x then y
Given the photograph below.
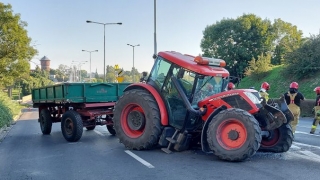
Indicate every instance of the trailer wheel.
{"type": "Point", "coordinates": [234, 135]}
{"type": "Point", "coordinates": [45, 121]}
{"type": "Point", "coordinates": [111, 129]}
{"type": "Point", "coordinates": [280, 140]}
{"type": "Point", "coordinates": [137, 120]}
{"type": "Point", "coordinates": [90, 128]}
{"type": "Point", "coordinates": [71, 126]}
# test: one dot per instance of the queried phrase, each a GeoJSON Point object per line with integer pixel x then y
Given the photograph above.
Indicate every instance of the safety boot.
{"type": "Point", "coordinates": [313, 129]}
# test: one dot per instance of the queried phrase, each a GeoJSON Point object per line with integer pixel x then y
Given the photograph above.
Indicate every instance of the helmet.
{"type": "Point", "coordinates": [265, 86]}
{"type": "Point", "coordinates": [231, 86]}
{"type": "Point", "coordinates": [317, 90]}
{"type": "Point", "coordinates": [294, 85]}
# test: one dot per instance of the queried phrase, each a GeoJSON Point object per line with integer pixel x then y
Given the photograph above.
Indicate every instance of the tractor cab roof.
{"type": "Point", "coordinates": [202, 65]}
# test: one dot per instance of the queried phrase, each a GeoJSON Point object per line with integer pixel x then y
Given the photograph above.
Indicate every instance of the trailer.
{"type": "Point", "coordinates": [77, 105]}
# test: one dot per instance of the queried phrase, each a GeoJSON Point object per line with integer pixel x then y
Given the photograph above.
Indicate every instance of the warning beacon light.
{"type": "Point", "coordinates": [209, 61]}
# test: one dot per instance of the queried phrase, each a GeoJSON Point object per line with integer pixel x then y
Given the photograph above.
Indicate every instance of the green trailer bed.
{"type": "Point", "coordinates": [78, 93]}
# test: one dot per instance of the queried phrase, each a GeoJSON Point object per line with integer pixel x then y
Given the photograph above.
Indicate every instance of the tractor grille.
{"type": "Point", "coordinates": [237, 102]}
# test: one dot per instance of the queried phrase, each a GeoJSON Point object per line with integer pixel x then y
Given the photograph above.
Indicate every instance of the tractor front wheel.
{"type": "Point", "coordinates": [137, 120]}
{"type": "Point", "coordinates": [279, 140]}
{"type": "Point", "coordinates": [111, 129]}
{"type": "Point", "coordinates": [234, 135]}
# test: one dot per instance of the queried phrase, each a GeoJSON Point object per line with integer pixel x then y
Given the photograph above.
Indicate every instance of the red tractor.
{"type": "Point", "coordinates": [184, 102]}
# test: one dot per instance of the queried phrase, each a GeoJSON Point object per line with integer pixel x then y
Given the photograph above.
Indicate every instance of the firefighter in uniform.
{"type": "Point", "coordinates": [316, 111]}
{"type": "Point", "coordinates": [264, 91]}
{"type": "Point", "coordinates": [293, 98]}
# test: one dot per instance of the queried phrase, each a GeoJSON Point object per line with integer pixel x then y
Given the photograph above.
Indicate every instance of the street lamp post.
{"type": "Point", "coordinates": [133, 60]}
{"type": "Point", "coordinates": [90, 60]}
{"type": "Point", "coordinates": [73, 72]}
{"type": "Point", "coordinates": [155, 27]}
{"type": "Point", "coordinates": [79, 67]}
{"type": "Point", "coordinates": [104, 43]}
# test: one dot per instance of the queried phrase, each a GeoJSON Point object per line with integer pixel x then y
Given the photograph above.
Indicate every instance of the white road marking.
{"type": "Point", "coordinates": [305, 156]}
{"type": "Point", "coordinates": [307, 145]}
{"type": "Point", "coordinates": [305, 126]}
{"type": "Point", "coordinates": [294, 147]}
{"type": "Point", "coordinates": [139, 159]}
{"type": "Point", "coordinates": [300, 132]}
{"type": "Point", "coordinates": [99, 133]}
{"type": "Point", "coordinates": [311, 154]}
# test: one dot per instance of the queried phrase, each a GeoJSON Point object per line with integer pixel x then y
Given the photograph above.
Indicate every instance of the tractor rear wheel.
{"type": "Point", "coordinates": [279, 140]}
{"type": "Point", "coordinates": [137, 120]}
{"type": "Point", "coordinates": [45, 121]}
{"type": "Point", "coordinates": [234, 135]}
{"type": "Point", "coordinates": [71, 126]}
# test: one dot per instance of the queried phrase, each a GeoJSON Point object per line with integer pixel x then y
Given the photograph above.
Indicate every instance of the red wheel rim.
{"type": "Point", "coordinates": [231, 134]}
{"type": "Point", "coordinates": [272, 140]}
{"type": "Point", "coordinates": [125, 118]}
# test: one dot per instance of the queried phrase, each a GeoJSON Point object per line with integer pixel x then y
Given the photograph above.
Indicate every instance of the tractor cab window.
{"type": "Point", "coordinates": [177, 109]}
{"type": "Point", "coordinates": [186, 80]}
{"type": "Point", "coordinates": [159, 71]}
{"type": "Point", "coordinates": [208, 86]}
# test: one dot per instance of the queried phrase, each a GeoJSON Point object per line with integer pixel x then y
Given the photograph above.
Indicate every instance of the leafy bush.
{"type": "Point", "coordinates": [304, 62]}
{"type": "Point", "coordinates": [279, 83]}
{"type": "Point", "coordinates": [8, 109]}
{"type": "Point", "coordinates": [259, 68]}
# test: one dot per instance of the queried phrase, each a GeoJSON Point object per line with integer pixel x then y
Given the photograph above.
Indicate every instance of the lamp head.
{"type": "Point", "coordinates": [89, 21]}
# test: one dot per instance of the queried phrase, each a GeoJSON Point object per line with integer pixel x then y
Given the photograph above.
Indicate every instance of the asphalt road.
{"type": "Point", "coordinates": [27, 154]}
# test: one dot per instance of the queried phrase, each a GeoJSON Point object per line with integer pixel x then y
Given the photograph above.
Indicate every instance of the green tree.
{"type": "Point", "coordinates": [237, 41]}
{"type": "Point", "coordinates": [305, 61]}
{"type": "Point", "coordinates": [110, 77]}
{"type": "Point", "coordinates": [287, 38]}
{"type": "Point", "coordinates": [259, 68]}
{"type": "Point", "coordinates": [15, 48]}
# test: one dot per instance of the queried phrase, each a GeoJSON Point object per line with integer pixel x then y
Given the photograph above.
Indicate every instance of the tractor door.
{"type": "Point", "coordinates": [160, 78]}
{"type": "Point", "coordinates": [177, 108]}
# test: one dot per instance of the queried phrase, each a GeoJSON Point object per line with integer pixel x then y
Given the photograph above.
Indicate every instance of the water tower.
{"type": "Point", "coordinates": [45, 63]}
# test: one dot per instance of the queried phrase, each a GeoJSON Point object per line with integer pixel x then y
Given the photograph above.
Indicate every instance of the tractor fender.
{"type": "Point", "coordinates": [204, 143]}
{"type": "Point", "coordinates": [157, 97]}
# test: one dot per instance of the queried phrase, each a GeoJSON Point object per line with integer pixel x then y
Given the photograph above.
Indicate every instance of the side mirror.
{"type": "Point", "coordinates": [154, 56]}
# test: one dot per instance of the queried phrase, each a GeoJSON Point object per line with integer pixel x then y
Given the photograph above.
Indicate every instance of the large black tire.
{"type": "Point", "coordinates": [280, 140]}
{"type": "Point", "coordinates": [90, 128]}
{"type": "Point", "coordinates": [234, 135]}
{"type": "Point", "coordinates": [137, 120]}
{"type": "Point", "coordinates": [45, 121]}
{"type": "Point", "coordinates": [111, 129]}
{"type": "Point", "coordinates": [71, 126]}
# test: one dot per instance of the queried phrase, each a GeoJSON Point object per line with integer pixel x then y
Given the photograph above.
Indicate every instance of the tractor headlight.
{"type": "Point", "coordinates": [252, 97]}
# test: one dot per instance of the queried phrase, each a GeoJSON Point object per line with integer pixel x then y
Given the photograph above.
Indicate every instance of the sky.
{"type": "Point", "coordinates": [59, 30]}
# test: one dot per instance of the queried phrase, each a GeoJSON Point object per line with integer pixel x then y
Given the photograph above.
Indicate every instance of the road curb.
{"type": "Point", "coordinates": [5, 130]}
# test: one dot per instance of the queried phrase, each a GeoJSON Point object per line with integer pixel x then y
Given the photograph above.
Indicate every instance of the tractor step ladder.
{"type": "Point", "coordinates": [172, 141]}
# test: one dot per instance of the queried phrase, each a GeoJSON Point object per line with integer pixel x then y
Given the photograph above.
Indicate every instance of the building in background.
{"type": "Point", "coordinates": [45, 63]}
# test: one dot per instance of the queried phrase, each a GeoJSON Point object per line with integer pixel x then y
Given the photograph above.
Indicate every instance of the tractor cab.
{"type": "Point", "coordinates": [180, 78]}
